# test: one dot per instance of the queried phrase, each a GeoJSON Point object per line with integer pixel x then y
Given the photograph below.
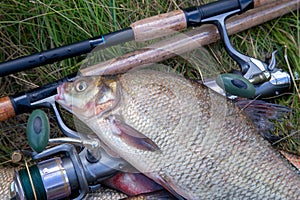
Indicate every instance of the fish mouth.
{"type": "Point", "coordinates": [60, 93]}
{"type": "Point", "coordinates": [60, 97]}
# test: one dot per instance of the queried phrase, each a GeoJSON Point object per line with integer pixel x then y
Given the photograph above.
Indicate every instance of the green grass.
{"type": "Point", "coordinates": [30, 26]}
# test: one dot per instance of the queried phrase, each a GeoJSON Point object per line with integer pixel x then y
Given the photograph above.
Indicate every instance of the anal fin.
{"type": "Point", "coordinates": [167, 184]}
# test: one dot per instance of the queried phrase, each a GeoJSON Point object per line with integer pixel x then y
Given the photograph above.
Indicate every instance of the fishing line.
{"type": "Point", "coordinates": [32, 182]}
{"type": "Point", "coordinates": [30, 179]}
{"type": "Point", "coordinates": [62, 174]}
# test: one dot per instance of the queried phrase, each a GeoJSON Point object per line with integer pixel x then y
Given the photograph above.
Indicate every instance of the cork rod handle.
{"type": "Point", "coordinates": [164, 24]}
{"type": "Point", "coordinates": [200, 36]}
{"type": "Point", "coordinates": [6, 109]}
{"type": "Point", "coordinates": [159, 25]}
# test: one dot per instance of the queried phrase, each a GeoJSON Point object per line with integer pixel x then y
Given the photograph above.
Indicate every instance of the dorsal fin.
{"type": "Point", "coordinates": [264, 116]}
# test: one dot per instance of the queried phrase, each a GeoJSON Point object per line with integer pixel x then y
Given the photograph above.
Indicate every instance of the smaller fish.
{"type": "Point", "coordinates": [134, 186]}
{"type": "Point", "coordinates": [6, 177]}
{"type": "Point", "coordinates": [132, 183]}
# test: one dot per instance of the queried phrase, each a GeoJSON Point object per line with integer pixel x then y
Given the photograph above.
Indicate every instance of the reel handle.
{"type": "Point", "coordinates": [236, 84]}
{"type": "Point", "coordinates": [38, 130]}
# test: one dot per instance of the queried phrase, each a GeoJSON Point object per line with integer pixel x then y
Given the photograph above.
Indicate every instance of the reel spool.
{"type": "Point", "coordinates": [46, 180]}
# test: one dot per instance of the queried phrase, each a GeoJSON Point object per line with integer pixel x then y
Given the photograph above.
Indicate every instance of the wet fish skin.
{"type": "Point", "coordinates": [208, 149]}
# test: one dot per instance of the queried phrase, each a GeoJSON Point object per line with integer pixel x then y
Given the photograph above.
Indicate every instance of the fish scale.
{"type": "Point", "coordinates": [208, 148]}
{"type": "Point", "coordinates": [248, 140]}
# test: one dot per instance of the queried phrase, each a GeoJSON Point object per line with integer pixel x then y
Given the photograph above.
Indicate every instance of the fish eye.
{"type": "Point", "coordinates": [81, 86]}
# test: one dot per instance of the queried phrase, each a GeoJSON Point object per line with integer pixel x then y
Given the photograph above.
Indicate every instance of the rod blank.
{"type": "Point", "coordinates": [143, 30]}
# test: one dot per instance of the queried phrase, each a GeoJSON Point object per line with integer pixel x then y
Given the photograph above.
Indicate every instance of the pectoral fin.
{"type": "Point", "coordinates": [133, 137]}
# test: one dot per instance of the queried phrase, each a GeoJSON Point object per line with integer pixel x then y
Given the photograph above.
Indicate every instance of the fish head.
{"type": "Point", "coordinates": [87, 96]}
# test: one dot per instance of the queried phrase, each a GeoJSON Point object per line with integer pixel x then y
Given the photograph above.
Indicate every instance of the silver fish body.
{"type": "Point", "coordinates": [202, 146]}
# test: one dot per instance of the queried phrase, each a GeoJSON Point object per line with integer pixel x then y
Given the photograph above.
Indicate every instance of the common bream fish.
{"type": "Point", "coordinates": [191, 140]}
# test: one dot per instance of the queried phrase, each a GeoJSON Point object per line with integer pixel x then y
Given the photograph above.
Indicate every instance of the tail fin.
{"type": "Point", "coordinates": [264, 116]}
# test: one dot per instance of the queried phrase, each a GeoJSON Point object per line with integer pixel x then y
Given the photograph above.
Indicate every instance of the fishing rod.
{"type": "Point", "coordinates": [142, 30]}
{"type": "Point", "coordinates": [256, 78]}
{"type": "Point", "coordinates": [26, 101]}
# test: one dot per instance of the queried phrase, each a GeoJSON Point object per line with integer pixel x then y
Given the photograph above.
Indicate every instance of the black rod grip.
{"type": "Point", "coordinates": [195, 15]}
{"type": "Point", "coordinates": [118, 37]}
{"type": "Point", "coordinates": [22, 101]}
{"type": "Point", "coordinates": [64, 52]}
{"type": "Point", "coordinates": [45, 57]}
